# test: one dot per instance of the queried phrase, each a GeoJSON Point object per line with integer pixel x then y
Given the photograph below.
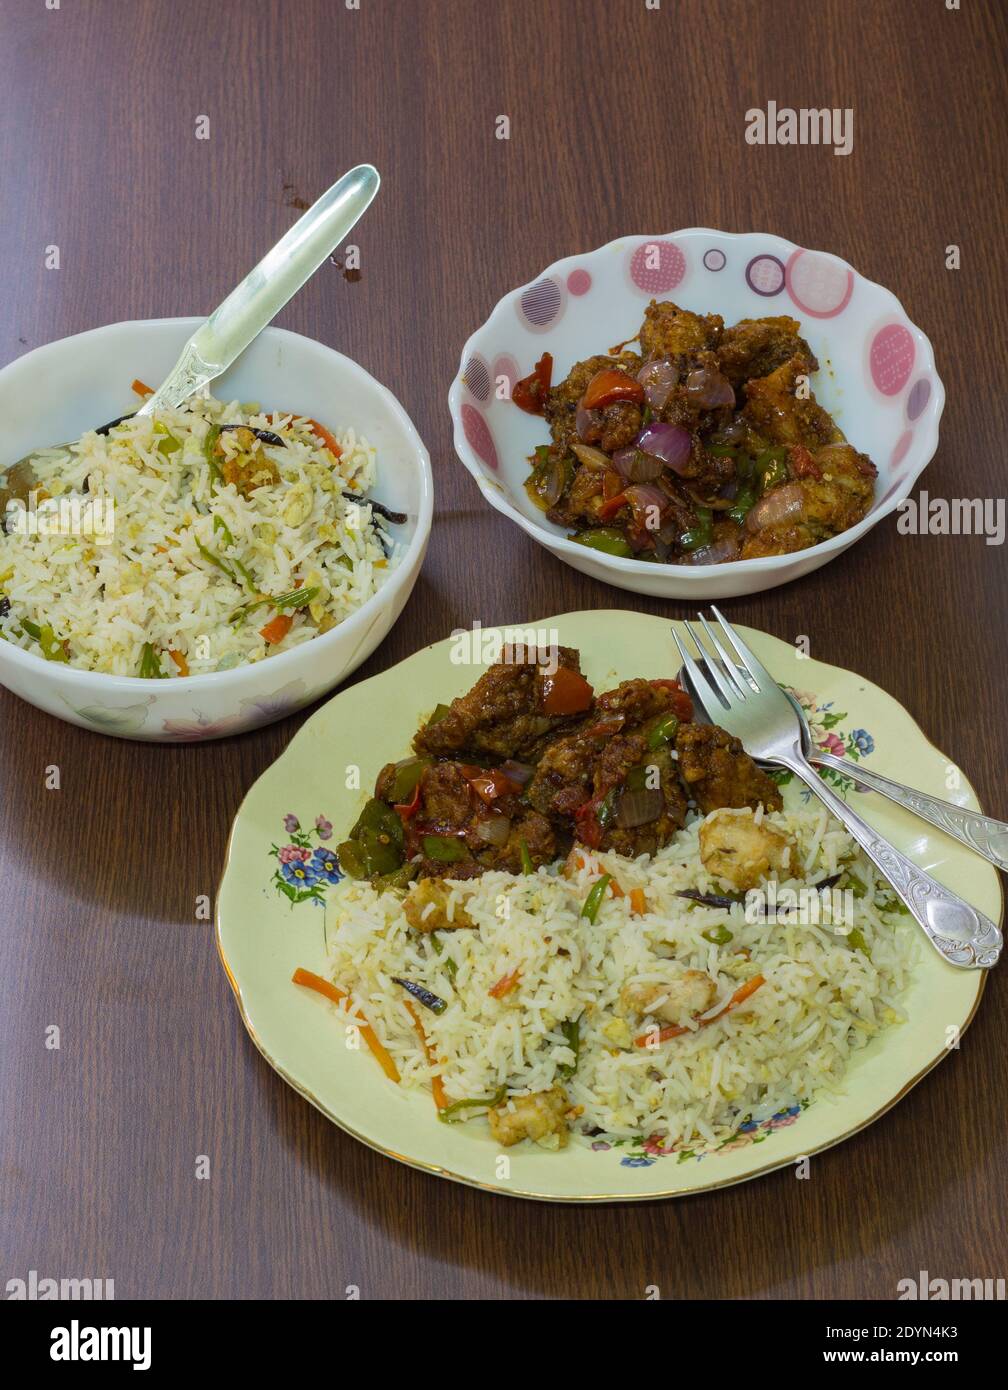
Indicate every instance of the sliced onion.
{"type": "Point", "coordinates": [717, 553]}
{"type": "Point", "coordinates": [658, 378]}
{"type": "Point", "coordinates": [649, 503]}
{"type": "Point", "coordinates": [551, 483]}
{"type": "Point", "coordinates": [637, 467]}
{"type": "Point", "coordinates": [590, 457]}
{"type": "Point", "coordinates": [639, 807]}
{"type": "Point", "coordinates": [785, 503]}
{"type": "Point", "coordinates": [588, 423]}
{"type": "Point", "coordinates": [517, 772]}
{"type": "Point", "coordinates": [670, 443]}
{"type": "Point", "coordinates": [494, 830]}
{"type": "Point", "coordinates": [709, 389]}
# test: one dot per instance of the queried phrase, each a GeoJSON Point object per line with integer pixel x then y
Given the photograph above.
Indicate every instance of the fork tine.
{"type": "Point", "coordinates": [729, 693]}
{"type": "Point", "coordinates": [705, 693]}
{"type": "Point", "coordinates": [735, 675]}
{"type": "Point", "coordinates": [762, 678]}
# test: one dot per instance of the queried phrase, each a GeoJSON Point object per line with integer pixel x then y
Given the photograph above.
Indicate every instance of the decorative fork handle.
{"type": "Point", "coordinates": [958, 932]}
{"type": "Point", "coordinates": [987, 836]}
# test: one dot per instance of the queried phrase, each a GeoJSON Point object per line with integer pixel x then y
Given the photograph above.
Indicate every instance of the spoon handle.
{"type": "Point", "coordinates": [984, 834]}
{"type": "Point", "coordinates": [266, 289]}
{"type": "Point", "coordinates": [958, 932]}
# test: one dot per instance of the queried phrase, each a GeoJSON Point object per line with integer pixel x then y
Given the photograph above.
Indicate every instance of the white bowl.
{"type": "Point", "coordinates": [877, 377]}
{"type": "Point", "coordinates": [58, 391]}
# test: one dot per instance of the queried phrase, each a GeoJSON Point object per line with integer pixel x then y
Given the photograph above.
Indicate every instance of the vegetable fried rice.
{"type": "Point", "coordinates": [235, 534]}
{"type": "Point", "coordinates": [616, 996]}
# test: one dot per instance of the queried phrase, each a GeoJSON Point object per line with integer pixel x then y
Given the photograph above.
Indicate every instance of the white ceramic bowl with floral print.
{"type": "Point", "coordinates": [877, 377]}
{"type": "Point", "coordinates": [58, 391]}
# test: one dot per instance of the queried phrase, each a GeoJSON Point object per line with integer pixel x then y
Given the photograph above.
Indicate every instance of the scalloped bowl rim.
{"type": "Point", "coordinates": [560, 543]}
{"type": "Point", "coordinates": [220, 680]}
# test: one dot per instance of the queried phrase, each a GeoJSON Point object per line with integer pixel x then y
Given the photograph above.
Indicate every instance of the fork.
{"type": "Point", "coordinates": [738, 693]}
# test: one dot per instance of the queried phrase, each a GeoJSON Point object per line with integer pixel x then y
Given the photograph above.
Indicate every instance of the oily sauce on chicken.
{"type": "Point", "coordinates": [705, 446]}
{"type": "Point", "coordinates": [530, 760]}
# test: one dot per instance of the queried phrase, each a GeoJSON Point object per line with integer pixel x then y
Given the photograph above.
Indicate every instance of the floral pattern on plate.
{"type": "Point", "coordinates": [824, 722]}
{"type": "Point", "coordinates": [306, 866]}
{"type": "Point", "coordinates": [641, 1152]}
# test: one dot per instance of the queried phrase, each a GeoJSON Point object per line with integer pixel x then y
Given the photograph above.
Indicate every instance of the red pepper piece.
{"type": "Point", "coordinates": [566, 692]}
{"type": "Point", "coordinates": [530, 393]}
{"type": "Point", "coordinates": [803, 465]}
{"type": "Point", "coordinates": [682, 705]}
{"type": "Point", "coordinates": [610, 385]}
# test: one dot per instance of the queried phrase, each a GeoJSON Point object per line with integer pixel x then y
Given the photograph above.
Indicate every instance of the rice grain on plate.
{"type": "Point", "coordinates": [827, 993]}
{"type": "Point", "coordinates": [209, 528]}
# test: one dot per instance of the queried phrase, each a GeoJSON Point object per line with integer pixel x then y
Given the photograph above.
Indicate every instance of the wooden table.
{"type": "Point", "coordinates": [622, 119]}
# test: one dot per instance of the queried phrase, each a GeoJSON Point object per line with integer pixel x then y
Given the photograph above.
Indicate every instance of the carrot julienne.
{"type": "Point", "coordinates": [327, 437]}
{"type": "Point", "coordinates": [277, 628]}
{"type": "Point", "coordinates": [338, 996]}
{"type": "Point", "coordinates": [437, 1085]}
{"type": "Point", "coordinates": [504, 985]}
{"type": "Point", "coordinates": [741, 994]}
{"type": "Point", "coordinates": [141, 388]}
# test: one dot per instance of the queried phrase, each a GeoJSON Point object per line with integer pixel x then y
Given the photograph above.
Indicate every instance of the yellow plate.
{"type": "Point", "coordinates": [263, 935]}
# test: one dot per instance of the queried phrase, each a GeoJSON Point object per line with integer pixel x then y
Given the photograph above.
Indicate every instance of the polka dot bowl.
{"type": "Point", "coordinates": [877, 377]}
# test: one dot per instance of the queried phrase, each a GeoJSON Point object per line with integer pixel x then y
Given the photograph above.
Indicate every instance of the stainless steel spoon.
{"type": "Point", "coordinates": [262, 294]}
{"type": "Point", "coordinates": [983, 834]}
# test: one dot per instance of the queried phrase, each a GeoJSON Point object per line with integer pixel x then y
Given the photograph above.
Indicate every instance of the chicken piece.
{"type": "Point", "coordinates": [450, 807]}
{"type": "Point", "coordinates": [618, 423]}
{"type": "Point", "coordinates": [528, 827]}
{"type": "Point", "coordinates": [246, 469]}
{"type": "Point", "coordinates": [643, 772]}
{"type": "Point", "coordinates": [668, 331]}
{"type": "Point", "coordinates": [502, 715]}
{"type": "Point", "coordinates": [735, 848]}
{"type": "Point", "coordinates": [778, 414]}
{"type": "Point", "coordinates": [581, 500]}
{"type": "Point", "coordinates": [757, 347]}
{"type": "Point", "coordinates": [681, 995]}
{"type": "Point", "coordinates": [717, 771]}
{"type": "Point", "coordinates": [831, 489]}
{"type": "Point", "coordinates": [541, 1117]}
{"type": "Point", "coordinates": [425, 907]}
{"type": "Point", "coordinates": [636, 701]}
{"type": "Point", "coordinates": [839, 486]}
{"type": "Point", "coordinates": [610, 748]}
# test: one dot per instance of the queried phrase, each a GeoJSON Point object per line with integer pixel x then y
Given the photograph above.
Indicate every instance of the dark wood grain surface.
{"type": "Point", "coordinates": [623, 119]}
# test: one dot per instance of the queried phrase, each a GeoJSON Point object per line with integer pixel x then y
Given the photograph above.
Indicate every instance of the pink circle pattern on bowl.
{"type": "Point", "coordinates": [506, 367]}
{"type": "Point", "coordinates": [899, 453]}
{"type": "Point", "coordinates": [578, 282]}
{"type": "Point", "coordinates": [662, 277]}
{"type": "Point", "coordinates": [715, 259]}
{"type": "Point", "coordinates": [918, 397]}
{"type": "Point", "coordinates": [765, 274]}
{"type": "Point", "coordinates": [477, 432]}
{"type": "Point", "coordinates": [477, 378]}
{"type": "Point", "coordinates": [541, 304]}
{"type": "Point", "coordinates": [891, 358]}
{"type": "Point", "coordinates": [818, 285]}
